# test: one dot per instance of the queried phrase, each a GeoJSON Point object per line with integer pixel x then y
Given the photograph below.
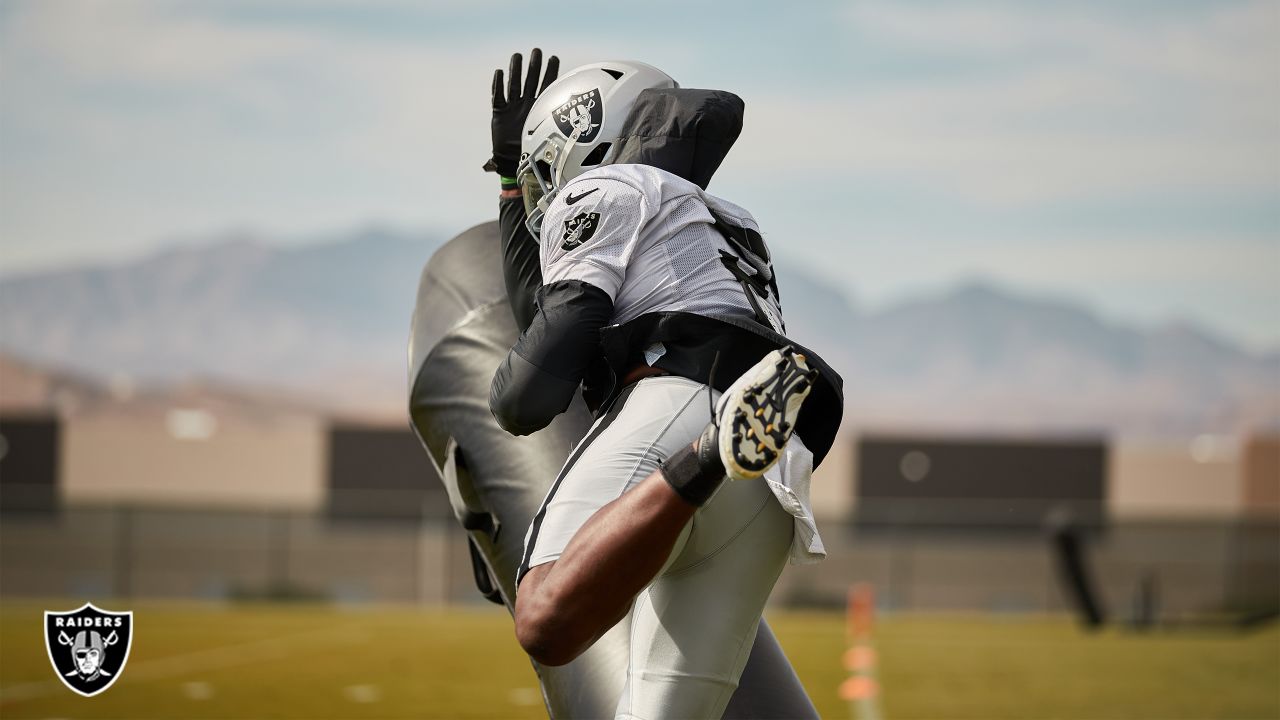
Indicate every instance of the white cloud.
{"type": "Point", "coordinates": [126, 123]}
{"type": "Point", "coordinates": [1084, 105]}
{"type": "Point", "coordinates": [149, 120]}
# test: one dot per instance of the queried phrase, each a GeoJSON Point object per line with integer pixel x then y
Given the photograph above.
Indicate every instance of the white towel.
{"type": "Point", "coordinates": [789, 481]}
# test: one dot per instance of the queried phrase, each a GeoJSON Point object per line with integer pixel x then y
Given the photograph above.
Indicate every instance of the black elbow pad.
{"type": "Point", "coordinates": [524, 398]}
{"type": "Point", "coordinates": [537, 380]}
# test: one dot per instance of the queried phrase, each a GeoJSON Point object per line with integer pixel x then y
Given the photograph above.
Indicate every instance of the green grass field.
{"type": "Point", "coordinates": [289, 661]}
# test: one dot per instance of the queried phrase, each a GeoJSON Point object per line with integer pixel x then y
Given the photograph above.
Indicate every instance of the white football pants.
{"type": "Point", "coordinates": [693, 627]}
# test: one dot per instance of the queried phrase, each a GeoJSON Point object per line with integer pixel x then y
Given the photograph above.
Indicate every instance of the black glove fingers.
{"type": "Point", "coordinates": [513, 94]}
{"type": "Point", "coordinates": [499, 101]}
{"type": "Point", "coordinates": [535, 69]}
{"type": "Point", "coordinates": [514, 75]}
{"type": "Point", "coordinates": [553, 71]}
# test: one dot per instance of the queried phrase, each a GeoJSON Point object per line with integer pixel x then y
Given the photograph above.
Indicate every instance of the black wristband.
{"type": "Point", "coordinates": [691, 476]}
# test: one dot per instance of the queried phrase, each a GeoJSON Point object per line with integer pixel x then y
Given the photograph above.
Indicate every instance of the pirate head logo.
{"type": "Point", "coordinates": [88, 647]}
{"type": "Point", "coordinates": [581, 114]}
{"type": "Point", "coordinates": [579, 229]}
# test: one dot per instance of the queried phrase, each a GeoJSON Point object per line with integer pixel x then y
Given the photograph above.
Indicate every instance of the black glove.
{"type": "Point", "coordinates": [509, 112]}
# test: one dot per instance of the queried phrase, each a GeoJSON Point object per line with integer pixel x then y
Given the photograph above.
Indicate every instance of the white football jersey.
{"type": "Point", "coordinates": [646, 238]}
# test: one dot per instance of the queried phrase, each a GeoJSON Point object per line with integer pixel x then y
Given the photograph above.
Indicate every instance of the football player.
{"type": "Point", "coordinates": [658, 300]}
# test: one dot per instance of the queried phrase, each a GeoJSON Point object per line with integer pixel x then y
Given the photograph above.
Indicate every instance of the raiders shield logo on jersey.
{"type": "Point", "coordinates": [88, 647]}
{"type": "Point", "coordinates": [579, 229]}
{"type": "Point", "coordinates": [581, 113]}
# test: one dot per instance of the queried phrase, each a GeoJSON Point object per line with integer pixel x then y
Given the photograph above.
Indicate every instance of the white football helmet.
{"type": "Point", "coordinates": [573, 125]}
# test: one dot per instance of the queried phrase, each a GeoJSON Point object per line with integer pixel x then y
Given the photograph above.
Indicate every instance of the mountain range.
{"type": "Point", "coordinates": [328, 321]}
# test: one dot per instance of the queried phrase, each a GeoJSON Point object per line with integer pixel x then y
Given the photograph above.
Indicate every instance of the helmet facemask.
{"type": "Point", "coordinates": [537, 178]}
{"type": "Point", "coordinates": [540, 176]}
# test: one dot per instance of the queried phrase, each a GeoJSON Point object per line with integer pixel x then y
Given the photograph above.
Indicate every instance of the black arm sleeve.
{"type": "Point", "coordinates": [521, 268]}
{"type": "Point", "coordinates": [541, 373]}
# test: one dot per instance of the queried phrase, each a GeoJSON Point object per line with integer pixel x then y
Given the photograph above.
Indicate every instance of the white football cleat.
{"type": "Point", "coordinates": [757, 414]}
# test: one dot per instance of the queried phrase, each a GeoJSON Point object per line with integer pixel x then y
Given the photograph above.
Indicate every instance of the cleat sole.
{"type": "Point", "coordinates": [759, 416]}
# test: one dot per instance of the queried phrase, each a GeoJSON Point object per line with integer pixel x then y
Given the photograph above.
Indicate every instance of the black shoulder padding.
{"type": "Point", "coordinates": [685, 131]}
{"type": "Point", "coordinates": [537, 380]}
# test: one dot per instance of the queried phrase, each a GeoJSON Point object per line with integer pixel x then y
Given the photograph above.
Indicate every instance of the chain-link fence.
{"type": "Point", "coordinates": [1171, 569]}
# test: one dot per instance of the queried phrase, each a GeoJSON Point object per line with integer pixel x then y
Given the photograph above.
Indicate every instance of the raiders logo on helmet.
{"type": "Point", "coordinates": [582, 113]}
{"type": "Point", "coordinates": [579, 229]}
{"type": "Point", "coordinates": [88, 646]}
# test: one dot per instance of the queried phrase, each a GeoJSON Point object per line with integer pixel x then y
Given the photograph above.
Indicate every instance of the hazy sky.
{"type": "Point", "coordinates": [1123, 154]}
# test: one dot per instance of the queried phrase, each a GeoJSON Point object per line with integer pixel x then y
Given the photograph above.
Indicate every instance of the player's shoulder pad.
{"type": "Point", "coordinates": [593, 207]}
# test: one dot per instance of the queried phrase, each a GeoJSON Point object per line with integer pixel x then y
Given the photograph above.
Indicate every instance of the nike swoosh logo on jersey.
{"type": "Point", "coordinates": [571, 199]}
